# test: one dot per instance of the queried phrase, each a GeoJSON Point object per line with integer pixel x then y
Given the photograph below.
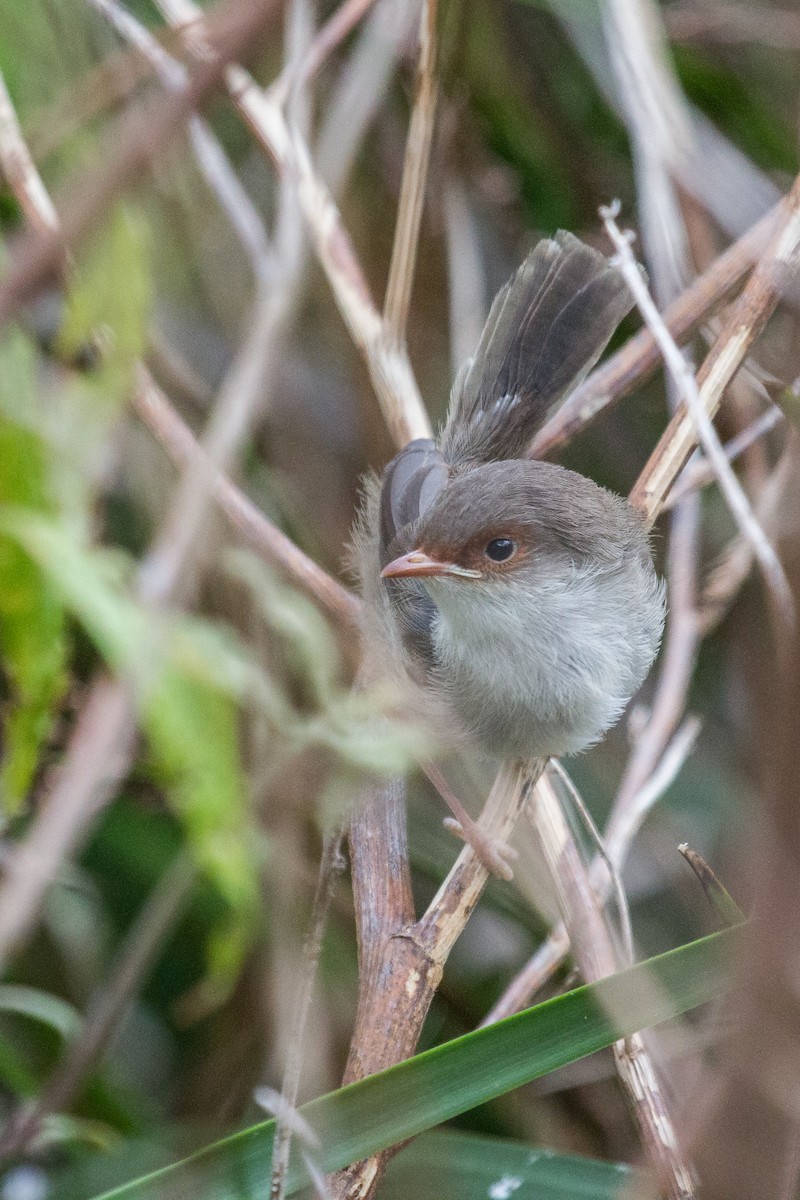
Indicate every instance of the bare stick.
{"type": "Point", "coordinates": [618, 840]}
{"type": "Point", "coordinates": [604, 856]}
{"type": "Point", "coordinates": [732, 567]}
{"type": "Point", "coordinates": [685, 380]}
{"type": "Point", "coordinates": [329, 36]}
{"type": "Point", "coordinates": [415, 174]}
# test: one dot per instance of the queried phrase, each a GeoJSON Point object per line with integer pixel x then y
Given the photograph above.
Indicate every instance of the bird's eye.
{"type": "Point", "coordinates": [500, 549]}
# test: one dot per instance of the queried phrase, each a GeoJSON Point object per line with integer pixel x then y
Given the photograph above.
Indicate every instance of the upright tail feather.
{"type": "Point", "coordinates": [546, 329]}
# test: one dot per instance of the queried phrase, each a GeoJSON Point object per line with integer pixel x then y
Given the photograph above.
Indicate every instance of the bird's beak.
{"type": "Point", "coordinates": [417, 562]}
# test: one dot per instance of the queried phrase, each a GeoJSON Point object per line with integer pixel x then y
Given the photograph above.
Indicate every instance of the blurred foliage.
{"type": "Point", "coordinates": [253, 740]}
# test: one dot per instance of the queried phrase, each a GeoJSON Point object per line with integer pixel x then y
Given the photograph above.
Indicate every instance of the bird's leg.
{"type": "Point", "coordinates": [495, 854]}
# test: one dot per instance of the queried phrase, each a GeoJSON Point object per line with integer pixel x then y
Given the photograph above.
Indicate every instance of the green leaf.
{"type": "Point", "coordinates": [32, 636]}
{"type": "Point", "coordinates": [188, 716]}
{"type": "Point", "coordinates": [461, 1166]}
{"type": "Point", "coordinates": [40, 1006]}
{"type": "Point", "coordinates": [385, 1109]}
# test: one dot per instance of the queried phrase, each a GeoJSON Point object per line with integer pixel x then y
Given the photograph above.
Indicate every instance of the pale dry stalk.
{"type": "Point", "coordinates": [412, 186]}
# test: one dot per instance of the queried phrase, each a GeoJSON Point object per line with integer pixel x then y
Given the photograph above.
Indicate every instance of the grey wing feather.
{"type": "Point", "coordinates": [410, 483]}
{"type": "Point", "coordinates": [546, 329]}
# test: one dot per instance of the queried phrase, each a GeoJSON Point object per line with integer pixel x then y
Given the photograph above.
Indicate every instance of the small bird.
{"type": "Point", "coordinates": [519, 598]}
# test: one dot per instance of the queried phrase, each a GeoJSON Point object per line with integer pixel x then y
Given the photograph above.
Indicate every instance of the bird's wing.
{"type": "Point", "coordinates": [547, 327]}
{"type": "Point", "coordinates": [410, 483]}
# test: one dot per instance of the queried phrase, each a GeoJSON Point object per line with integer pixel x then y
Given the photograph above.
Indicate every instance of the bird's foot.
{"type": "Point", "coordinates": [496, 855]}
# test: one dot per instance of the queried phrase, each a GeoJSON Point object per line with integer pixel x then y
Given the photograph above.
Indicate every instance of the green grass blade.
{"type": "Point", "coordinates": [417, 1095]}
{"type": "Point", "coordinates": [464, 1166]}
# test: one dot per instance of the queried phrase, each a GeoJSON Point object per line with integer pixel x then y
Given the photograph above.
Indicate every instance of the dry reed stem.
{"type": "Point", "coordinates": [699, 473]}
{"type": "Point", "coordinates": [415, 175]}
{"type": "Point", "coordinates": [617, 840]}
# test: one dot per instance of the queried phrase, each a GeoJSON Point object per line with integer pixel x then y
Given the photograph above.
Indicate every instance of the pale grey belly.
{"type": "Point", "coordinates": [518, 722]}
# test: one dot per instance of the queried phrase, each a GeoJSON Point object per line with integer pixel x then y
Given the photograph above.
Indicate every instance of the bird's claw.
{"type": "Point", "coordinates": [496, 855]}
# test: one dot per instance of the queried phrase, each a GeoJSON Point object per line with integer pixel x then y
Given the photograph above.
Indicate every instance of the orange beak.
{"type": "Point", "coordinates": [417, 563]}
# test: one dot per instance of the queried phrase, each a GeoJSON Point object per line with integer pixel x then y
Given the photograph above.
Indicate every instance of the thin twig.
{"type": "Point", "coordinates": [728, 573]}
{"type": "Point", "coordinates": [618, 840]}
{"type": "Point", "coordinates": [705, 433]}
{"type": "Point", "coordinates": [331, 865]}
{"type": "Point", "coordinates": [600, 846]}
{"type": "Point", "coordinates": [594, 951]}
{"type": "Point", "coordinates": [699, 473]}
{"type": "Point", "coordinates": [328, 37]}
{"type": "Point", "coordinates": [20, 170]}
{"type": "Point", "coordinates": [415, 174]}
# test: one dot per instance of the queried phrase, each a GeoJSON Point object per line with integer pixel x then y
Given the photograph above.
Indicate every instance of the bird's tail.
{"type": "Point", "coordinates": [547, 327]}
